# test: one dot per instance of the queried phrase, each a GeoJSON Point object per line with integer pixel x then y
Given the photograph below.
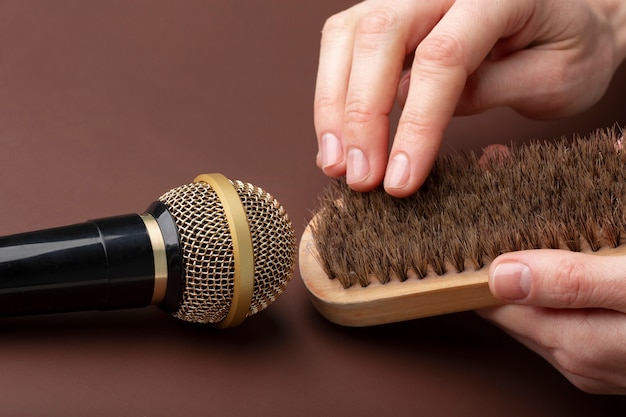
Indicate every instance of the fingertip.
{"type": "Point", "coordinates": [363, 172]}
{"type": "Point", "coordinates": [333, 171]}
{"type": "Point", "coordinates": [330, 152]}
{"type": "Point", "coordinates": [398, 175]}
{"type": "Point", "coordinates": [330, 155]}
{"type": "Point", "coordinates": [365, 141]}
{"type": "Point", "coordinates": [407, 190]}
{"type": "Point", "coordinates": [510, 281]}
{"type": "Point", "coordinates": [398, 172]}
{"type": "Point", "coordinates": [399, 192]}
{"type": "Point", "coordinates": [357, 168]}
{"type": "Point", "coordinates": [406, 174]}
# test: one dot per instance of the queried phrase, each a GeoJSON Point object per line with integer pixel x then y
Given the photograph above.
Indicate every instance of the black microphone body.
{"type": "Point", "coordinates": [101, 264]}
{"type": "Point", "coordinates": [212, 251]}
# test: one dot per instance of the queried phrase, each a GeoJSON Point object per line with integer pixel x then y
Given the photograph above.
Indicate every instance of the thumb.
{"type": "Point", "coordinates": [560, 279]}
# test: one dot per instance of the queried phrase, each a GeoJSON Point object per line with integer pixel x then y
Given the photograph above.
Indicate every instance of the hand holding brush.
{"type": "Point", "coordinates": [543, 58]}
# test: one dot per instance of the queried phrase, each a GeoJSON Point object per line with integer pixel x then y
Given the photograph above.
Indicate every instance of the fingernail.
{"type": "Point", "coordinates": [357, 166]}
{"type": "Point", "coordinates": [397, 172]}
{"type": "Point", "coordinates": [331, 151]}
{"type": "Point", "coordinates": [511, 281]}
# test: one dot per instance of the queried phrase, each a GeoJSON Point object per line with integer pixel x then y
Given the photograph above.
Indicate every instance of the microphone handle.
{"type": "Point", "coordinates": [103, 264]}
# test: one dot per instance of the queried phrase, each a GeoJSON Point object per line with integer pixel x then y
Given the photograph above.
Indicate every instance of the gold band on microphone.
{"type": "Point", "coordinates": [159, 255]}
{"type": "Point", "coordinates": [243, 251]}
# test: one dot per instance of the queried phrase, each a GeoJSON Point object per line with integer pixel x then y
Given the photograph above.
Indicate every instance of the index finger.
{"type": "Point", "coordinates": [361, 54]}
{"type": "Point", "coordinates": [443, 61]}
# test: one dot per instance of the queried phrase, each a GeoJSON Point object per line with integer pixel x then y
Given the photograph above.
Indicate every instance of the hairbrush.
{"type": "Point", "coordinates": [369, 258]}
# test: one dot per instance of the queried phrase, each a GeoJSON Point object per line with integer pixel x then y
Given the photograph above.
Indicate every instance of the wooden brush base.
{"type": "Point", "coordinates": [396, 301]}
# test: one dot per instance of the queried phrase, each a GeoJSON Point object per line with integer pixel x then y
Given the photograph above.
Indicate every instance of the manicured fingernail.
{"type": "Point", "coordinates": [511, 281]}
{"type": "Point", "coordinates": [358, 166]}
{"type": "Point", "coordinates": [331, 151]}
{"type": "Point", "coordinates": [397, 172]}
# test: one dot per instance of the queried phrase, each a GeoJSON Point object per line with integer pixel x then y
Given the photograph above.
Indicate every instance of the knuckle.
{"type": "Point", "coordinates": [571, 284]}
{"type": "Point", "coordinates": [358, 112]}
{"type": "Point", "coordinates": [337, 23]}
{"type": "Point", "coordinates": [380, 21]}
{"type": "Point", "coordinates": [375, 30]}
{"type": "Point", "coordinates": [325, 103]}
{"type": "Point", "coordinates": [442, 50]}
{"type": "Point", "coordinates": [413, 129]}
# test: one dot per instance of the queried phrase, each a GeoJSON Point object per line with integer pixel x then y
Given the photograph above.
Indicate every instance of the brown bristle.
{"type": "Point", "coordinates": [567, 194]}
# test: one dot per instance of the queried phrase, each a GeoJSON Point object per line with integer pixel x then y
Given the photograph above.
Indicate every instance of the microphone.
{"type": "Point", "coordinates": [213, 251]}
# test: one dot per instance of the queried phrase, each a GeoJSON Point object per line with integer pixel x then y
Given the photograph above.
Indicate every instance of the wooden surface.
{"type": "Point", "coordinates": [105, 105]}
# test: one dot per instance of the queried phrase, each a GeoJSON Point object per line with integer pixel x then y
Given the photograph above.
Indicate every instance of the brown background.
{"type": "Point", "coordinates": [104, 105]}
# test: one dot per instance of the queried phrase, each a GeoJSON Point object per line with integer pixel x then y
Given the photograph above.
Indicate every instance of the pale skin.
{"type": "Point", "coordinates": [443, 58]}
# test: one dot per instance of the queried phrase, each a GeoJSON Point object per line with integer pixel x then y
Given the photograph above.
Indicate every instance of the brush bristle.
{"type": "Point", "coordinates": [567, 194]}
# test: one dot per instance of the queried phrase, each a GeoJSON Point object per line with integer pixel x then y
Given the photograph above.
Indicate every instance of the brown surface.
{"type": "Point", "coordinates": [105, 105]}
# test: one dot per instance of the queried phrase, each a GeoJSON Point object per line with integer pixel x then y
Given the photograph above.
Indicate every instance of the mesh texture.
{"type": "Point", "coordinates": [207, 249]}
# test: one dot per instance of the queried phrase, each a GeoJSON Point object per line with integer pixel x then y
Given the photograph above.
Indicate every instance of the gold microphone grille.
{"type": "Point", "coordinates": [207, 249]}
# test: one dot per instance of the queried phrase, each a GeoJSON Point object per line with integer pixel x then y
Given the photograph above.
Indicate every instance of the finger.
{"type": "Point", "coordinates": [443, 61]}
{"type": "Point", "coordinates": [586, 346]}
{"type": "Point", "coordinates": [331, 87]}
{"type": "Point", "coordinates": [383, 38]}
{"type": "Point", "coordinates": [560, 279]}
{"type": "Point", "coordinates": [521, 322]}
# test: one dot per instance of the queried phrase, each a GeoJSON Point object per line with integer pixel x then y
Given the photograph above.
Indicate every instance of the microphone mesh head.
{"type": "Point", "coordinates": [207, 249]}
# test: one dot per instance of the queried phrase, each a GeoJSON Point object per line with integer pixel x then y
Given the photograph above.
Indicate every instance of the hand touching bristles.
{"type": "Point", "coordinates": [464, 57]}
